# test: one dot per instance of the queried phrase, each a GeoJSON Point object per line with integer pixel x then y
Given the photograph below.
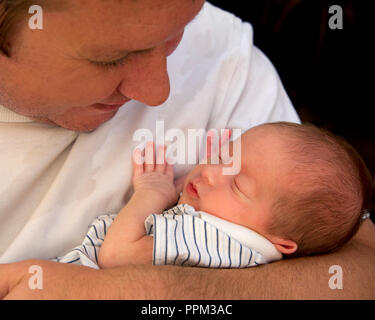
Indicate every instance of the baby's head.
{"type": "Point", "coordinates": [299, 186]}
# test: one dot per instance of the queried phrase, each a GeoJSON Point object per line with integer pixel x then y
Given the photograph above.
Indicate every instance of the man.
{"type": "Point", "coordinates": [73, 95]}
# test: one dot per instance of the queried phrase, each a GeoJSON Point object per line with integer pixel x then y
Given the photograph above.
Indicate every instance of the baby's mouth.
{"type": "Point", "coordinates": [192, 190]}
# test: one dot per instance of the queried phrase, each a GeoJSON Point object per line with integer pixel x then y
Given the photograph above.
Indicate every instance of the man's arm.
{"type": "Point", "coordinates": [302, 278]}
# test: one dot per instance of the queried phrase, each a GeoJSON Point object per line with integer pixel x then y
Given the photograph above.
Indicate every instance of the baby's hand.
{"type": "Point", "coordinates": [153, 177]}
{"type": "Point", "coordinates": [214, 149]}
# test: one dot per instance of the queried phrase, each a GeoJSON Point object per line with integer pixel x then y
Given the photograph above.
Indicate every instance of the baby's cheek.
{"type": "Point", "coordinates": [219, 204]}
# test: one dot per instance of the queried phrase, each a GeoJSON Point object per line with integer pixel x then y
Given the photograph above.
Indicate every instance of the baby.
{"type": "Point", "coordinates": [300, 191]}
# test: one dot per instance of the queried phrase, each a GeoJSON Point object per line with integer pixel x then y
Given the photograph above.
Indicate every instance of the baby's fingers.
{"type": "Point", "coordinates": [169, 169]}
{"type": "Point", "coordinates": [160, 159]}
{"type": "Point", "coordinates": [137, 163]}
{"type": "Point", "coordinates": [214, 143]}
{"type": "Point", "coordinates": [149, 157]}
{"type": "Point", "coordinates": [225, 136]}
{"type": "Point", "coordinates": [209, 144]}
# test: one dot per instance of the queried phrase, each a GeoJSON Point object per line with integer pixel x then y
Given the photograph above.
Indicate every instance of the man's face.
{"type": "Point", "coordinates": [91, 57]}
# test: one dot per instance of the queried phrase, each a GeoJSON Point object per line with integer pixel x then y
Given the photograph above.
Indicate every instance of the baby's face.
{"type": "Point", "coordinates": [244, 198]}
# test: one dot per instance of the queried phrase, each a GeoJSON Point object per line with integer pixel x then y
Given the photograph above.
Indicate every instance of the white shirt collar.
{"type": "Point", "coordinates": [245, 236]}
{"type": "Point", "coordinates": [7, 115]}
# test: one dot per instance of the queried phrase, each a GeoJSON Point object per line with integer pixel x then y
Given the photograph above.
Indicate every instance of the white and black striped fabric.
{"type": "Point", "coordinates": [87, 253]}
{"type": "Point", "coordinates": [185, 237]}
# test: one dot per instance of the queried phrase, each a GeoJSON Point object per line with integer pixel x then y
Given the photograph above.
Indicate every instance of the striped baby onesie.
{"type": "Point", "coordinates": [86, 254]}
{"type": "Point", "coordinates": [185, 237]}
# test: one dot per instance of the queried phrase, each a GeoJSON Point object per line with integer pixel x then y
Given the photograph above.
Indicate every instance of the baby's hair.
{"type": "Point", "coordinates": [330, 187]}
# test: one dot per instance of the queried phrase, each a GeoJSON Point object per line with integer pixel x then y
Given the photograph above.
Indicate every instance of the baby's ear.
{"type": "Point", "coordinates": [284, 246]}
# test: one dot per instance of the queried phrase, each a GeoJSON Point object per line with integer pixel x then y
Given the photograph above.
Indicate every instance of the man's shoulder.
{"type": "Point", "coordinates": [214, 31]}
{"type": "Point", "coordinates": [219, 16]}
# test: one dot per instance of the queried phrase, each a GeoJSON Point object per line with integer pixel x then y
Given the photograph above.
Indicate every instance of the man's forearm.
{"type": "Point", "coordinates": [302, 278]}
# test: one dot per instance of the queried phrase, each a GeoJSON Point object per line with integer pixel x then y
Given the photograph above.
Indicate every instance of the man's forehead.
{"type": "Point", "coordinates": [139, 30]}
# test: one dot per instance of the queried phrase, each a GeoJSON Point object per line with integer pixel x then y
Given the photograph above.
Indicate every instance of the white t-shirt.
{"type": "Point", "coordinates": [55, 182]}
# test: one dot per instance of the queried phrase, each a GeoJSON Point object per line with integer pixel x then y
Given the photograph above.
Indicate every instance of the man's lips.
{"type": "Point", "coordinates": [192, 190]}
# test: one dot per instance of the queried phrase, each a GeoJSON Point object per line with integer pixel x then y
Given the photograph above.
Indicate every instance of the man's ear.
{"type": "Point", "coordinates": [285, 246]}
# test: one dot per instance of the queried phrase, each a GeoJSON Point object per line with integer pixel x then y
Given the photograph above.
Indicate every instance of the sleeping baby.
{"type": "Point", "coordinates": [299, 191]}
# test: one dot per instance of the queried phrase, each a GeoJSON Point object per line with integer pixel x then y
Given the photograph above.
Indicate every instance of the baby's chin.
{"type": "Point", "coordinates": [185, 199]}
{"type": "Point", "coordinates": [182, 199]}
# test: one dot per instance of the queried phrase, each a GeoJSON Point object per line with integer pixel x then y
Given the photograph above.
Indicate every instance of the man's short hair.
{"type": "Point", "coordinates": [11, 14]}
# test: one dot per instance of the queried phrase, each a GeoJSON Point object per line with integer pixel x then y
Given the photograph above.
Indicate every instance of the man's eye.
{"type": "Point", "coordinates": [110, 64]}
{"type": "Point", "coordinates": [118, 62]}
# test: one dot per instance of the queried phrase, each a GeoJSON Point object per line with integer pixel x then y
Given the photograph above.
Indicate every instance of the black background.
{"type": "Point", "coordinates": [131, 309]}
{"type": "Point", "coordinates": [327, 73]}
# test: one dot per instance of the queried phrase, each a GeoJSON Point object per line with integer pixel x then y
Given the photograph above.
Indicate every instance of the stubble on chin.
{"type": "Point", "coordinates": [75, 121]}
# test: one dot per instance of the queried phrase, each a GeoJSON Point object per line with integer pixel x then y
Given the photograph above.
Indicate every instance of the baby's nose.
{"type": "Point", "coordinates": [211, 173]}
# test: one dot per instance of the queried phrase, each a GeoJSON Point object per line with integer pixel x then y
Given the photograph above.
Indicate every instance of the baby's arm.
{"type": "Point", "coordinates": [154, 191]}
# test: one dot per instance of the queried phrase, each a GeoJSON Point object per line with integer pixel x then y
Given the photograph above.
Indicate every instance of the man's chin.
{"type": "Point", "coordinates": [79, 123]}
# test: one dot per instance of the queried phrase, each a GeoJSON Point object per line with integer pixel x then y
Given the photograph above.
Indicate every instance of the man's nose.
{"type": "Point", "coordinates": [146, 80]}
